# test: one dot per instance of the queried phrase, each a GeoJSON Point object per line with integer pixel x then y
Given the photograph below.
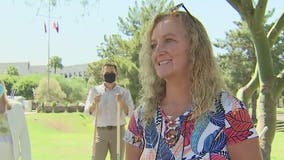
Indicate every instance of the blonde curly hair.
{"type": "Point", "coordinates": [204, 74]}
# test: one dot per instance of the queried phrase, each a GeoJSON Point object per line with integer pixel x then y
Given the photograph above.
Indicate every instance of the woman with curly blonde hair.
{"type": "Point", "coordinates": [186, 112]}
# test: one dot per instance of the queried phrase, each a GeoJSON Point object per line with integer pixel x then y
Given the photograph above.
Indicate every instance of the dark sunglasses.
{"type": "Point", "coordinates": [176, 8]}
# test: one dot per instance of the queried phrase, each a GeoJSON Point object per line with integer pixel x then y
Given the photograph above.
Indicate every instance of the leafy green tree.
{"type": "Point", "coordinates": [237, 58]}
{"type": "Point", "coordinates": [79, 90]}
{"type": "Point", "coordinates": [237, 55]}
{"type": "Point", "coordinates": [55, 62]}
{"type": "Point", "coordinates": [9, 82]}
{"type": "Point", "coordinates": [25, 86]}
{"type": "Point", "coordinates": [12, 70]}
{"type": "Point", "coordinates": [270, 84]}
{"type": "Point", "coordinates": [75, 88]}
{"type": "Point", "coordinates": [55, 92]}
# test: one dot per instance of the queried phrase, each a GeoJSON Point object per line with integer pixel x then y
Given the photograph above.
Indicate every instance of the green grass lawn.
{"type": "Point", "coordinates": [277, 147]}
{"type": "Point", "coordinates": [60, 136]}
{"type": "Point", "coordinates": [280, 110]}
{"type": "Point", "coordinates": [68, 136]}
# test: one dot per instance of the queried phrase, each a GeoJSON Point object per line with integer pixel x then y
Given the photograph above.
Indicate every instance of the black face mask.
{"type": "Point", "coordinates": [109, 77]}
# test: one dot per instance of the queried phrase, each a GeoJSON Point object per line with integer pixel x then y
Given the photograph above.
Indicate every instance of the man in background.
{"type": "Point", "coordinates": [102, 102]}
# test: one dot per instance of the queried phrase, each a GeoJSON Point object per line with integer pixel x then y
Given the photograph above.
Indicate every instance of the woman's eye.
{"type": "Point", "coordinates": [153, 46]}
{"type": "Point", "coordinates": [168, 39]}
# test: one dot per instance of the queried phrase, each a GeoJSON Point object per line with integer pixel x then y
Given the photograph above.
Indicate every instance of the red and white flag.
{"type": "Point", "coordinates": [56, 26]}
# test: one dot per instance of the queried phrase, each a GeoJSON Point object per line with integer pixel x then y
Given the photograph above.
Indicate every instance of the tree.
{"type": "Point", "coordinates": [270, 84]}
{"type": "Point", "coordinates": [9, 82]}
{"type": "Point", "coordinates": [55, 62]}
{"type": "Point", "coordinates": [12, 71]}
{"type": "Point", "coordinates": [25, 86]}
{"type": "Point", "coordinates": [56, 94]}
{"type": "Point", "coordinates": [237, 57]}
{"type": "Point", "coordinates": [74, 88]}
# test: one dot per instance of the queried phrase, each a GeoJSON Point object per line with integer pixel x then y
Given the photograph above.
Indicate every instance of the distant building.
{"type": "Point", "coordinates": [78, 70]}
{"type": "Point", "coordinates": [24, 68]}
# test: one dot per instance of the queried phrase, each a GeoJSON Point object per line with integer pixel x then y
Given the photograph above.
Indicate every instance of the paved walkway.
{"type": "Point", "coordinates": [280, 117]}
{"type": "Point", "coordinates": [30, 112]}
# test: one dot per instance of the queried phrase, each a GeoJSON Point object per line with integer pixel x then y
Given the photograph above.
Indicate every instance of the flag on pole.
{"type": "Point", "coordinates": [56, 26]}
{"type": "Point", "coordinates": [45, 30]}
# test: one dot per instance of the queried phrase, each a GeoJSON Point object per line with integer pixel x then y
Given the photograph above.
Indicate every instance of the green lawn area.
{"type": "Point", "coordinates": [280, 110]}
{"type": "Point", "coordinates": [59, 136]}
{"type": "Point", "coordinates": [277, 147]}
{"type": "Point", "coordinates": [68, 136]}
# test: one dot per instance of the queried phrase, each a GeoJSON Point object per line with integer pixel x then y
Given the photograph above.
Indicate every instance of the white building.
{"type": "Point", "coordinates": [25, 68]}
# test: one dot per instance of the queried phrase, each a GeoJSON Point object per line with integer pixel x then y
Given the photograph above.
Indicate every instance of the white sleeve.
{"type": "Point", "coordinates": [129, 102]}
{"type": "Point", "coordinates": [89, 100]}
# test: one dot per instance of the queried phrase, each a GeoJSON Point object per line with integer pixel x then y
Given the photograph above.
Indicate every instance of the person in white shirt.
{"type": "Point", "coordinates": [14, 138]}
{"type": "Point", "coordinates": [102, 100]}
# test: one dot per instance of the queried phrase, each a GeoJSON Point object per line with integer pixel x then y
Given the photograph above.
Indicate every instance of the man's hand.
{"type": "Point", "coordinates": [97, 99]}
{"type": "Point", "coordinates": [119, 98]}
{"type": "Point", "coordinates": [122, 104]}
{"type": "Point", "coordinates": [95, 103]}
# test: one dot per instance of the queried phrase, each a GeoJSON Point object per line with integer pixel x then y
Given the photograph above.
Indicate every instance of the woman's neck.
{"type": "Point", "coordinates": [177, 99]}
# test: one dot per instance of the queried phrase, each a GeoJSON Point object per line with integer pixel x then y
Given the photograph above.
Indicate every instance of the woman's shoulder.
{"type": "Point", "coordinates": [230, 102]}
{"type": "Point", "coordinates": [139, 115]}
{"type": "Point", "coordinates": [138, 112]}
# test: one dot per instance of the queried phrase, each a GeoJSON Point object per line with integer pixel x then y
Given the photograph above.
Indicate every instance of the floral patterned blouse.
{"type": "Point", "coordinates": [205, 138]}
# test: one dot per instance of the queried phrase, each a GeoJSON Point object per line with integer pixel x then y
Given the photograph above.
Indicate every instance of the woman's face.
{"type": "Point", "coordinates": [170, 49]}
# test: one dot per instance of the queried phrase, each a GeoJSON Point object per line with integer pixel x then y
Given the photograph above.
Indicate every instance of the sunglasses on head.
{"type": "Point", "coordinates": [181, 5]}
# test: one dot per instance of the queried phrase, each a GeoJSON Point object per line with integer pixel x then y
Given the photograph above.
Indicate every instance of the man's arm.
{"type": "Point", "coordinates": [126, 102]}
{"type": "Point", "coordinates": [89, 106]}
{"type": "Point", "coordinates": [122, 104]}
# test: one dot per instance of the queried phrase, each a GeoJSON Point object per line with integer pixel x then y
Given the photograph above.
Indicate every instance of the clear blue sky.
{"type": "Point", "coordinates": [22, 36]}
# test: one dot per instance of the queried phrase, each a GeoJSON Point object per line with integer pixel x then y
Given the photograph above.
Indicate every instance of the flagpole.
{"type": "Point", "coordinates": [48, 53]}
{"type": "Point", "coordinates": [47, 29]}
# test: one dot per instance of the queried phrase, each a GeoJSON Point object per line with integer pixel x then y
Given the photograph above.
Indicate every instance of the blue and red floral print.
{"type": "Point", "coordinates": [205, 138]}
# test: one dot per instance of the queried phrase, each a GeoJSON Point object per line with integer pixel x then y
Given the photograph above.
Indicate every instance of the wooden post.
{"type": "Point", "coordinates": [118, 132]}
{"type": "Point", "coordinates": [95, 131]}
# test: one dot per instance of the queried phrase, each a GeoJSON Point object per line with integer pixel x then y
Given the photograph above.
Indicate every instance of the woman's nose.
{"type": "Point", "coordinates": [160, 49]}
